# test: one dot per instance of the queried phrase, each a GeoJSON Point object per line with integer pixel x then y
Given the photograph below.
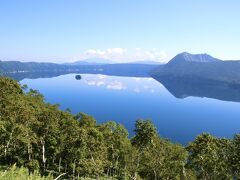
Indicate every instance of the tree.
{"type": "Point", "coordinates": [118, 148]}
{"type": "Point", "coordinates": [39, 136]}
{"type": "Point", "coordinates": [17, 118]}
{"type": "Point", "coordinates": [208, 157]}
{"type": "Point", "coordinates": [234, 153]}
{"type": "Point", "coordinates": [85, 120]}
{"type": "Point", "coordinates": [145, 132]}
{"type": "Point", "coordinates": [164, 160]}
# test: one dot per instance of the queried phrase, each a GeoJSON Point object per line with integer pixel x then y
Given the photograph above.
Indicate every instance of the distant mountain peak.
{"type": "Point", "coordinates": [187, 57]}
{"type": "Point", "coordinates": [91, 61]}
{"type": "Point", "coordinates": [96, 61]}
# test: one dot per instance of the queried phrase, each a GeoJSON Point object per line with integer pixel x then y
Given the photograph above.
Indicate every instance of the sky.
{"type": "Point", "coordinates": [120, 30]}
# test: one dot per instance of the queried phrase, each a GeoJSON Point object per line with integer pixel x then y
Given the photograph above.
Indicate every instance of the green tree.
{"type": "Point", "coordinates": [118, 148]}
{"type": "Point", "coordinates": [145, 133]}
{"type": "Point", "coordinates": [234, 159]}
{"type": "Point", "coordinates": [164, 160]}
{"type": "Point", "coordinates": [41, 137]}
{"type": "Point", "coordinates": [208, 157]}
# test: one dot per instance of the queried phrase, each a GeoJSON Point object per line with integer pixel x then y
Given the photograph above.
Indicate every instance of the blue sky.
{"type": "Point", "coordinates": [121, 30]}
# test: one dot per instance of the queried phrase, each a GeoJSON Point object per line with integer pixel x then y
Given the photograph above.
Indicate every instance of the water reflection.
{"type": "Point", "coordinates": [179, 88]}
{"type": "Point", "coordinates": [35, 75]}
{"type": "Point", "coordinates": [136, 85]}
{"type": "Point", "coordinates": [125, 99]}
{"type": "Point", "coordinates": [182, 88]}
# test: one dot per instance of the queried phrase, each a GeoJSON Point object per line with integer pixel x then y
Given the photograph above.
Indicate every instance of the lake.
{"type": "Point", "coordinates": [176, 110]}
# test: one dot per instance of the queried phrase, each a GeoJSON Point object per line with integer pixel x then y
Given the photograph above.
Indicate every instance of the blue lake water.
{"type": "Point", "coordinates": [125, 99]}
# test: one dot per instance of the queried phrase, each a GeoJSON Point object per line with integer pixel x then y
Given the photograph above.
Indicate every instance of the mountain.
{"type": "Point", "coordinates": [187, 57]}
{"type": "Point", "coordinates": [34, 69]}
{"type": "Point", "coordinates": [91, 61]}
{"type": "Point", "coordinates": [101, 61]}
{"type": "Point", "coordinates": [16, 66]}
{"type": "Point", "coordinates": [125, 69]}
{"type": "Point", "coordinates": [199, 66]}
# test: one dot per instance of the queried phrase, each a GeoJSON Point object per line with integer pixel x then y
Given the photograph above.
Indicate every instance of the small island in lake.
{"type": "Point", "coordinates": [78, 77]}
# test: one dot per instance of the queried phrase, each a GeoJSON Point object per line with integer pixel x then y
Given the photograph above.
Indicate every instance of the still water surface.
{"type": "Point", "coordinates": [125, 99]}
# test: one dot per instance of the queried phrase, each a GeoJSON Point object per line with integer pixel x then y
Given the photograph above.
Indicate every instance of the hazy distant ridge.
{"type": "Point", "coordinates": [124, 69]}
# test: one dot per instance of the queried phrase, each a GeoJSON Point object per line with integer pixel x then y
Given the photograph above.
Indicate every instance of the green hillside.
{"type": "Point", "coordinates": [40, 137]}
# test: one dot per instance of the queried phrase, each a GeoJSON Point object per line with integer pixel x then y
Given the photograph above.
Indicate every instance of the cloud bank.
{"type": "Point", "coordinates": [124, 55]}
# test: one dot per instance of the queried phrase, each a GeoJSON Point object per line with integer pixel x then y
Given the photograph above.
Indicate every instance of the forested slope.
{"type": "Point", "coordinates": [43, 138]}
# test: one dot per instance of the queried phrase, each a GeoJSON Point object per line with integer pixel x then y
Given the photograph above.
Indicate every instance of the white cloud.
{"type": "Point", "coordinates": [91, 51]}
{"type": "Point", "coordinates": [91, 83]}
{"type": "Point", "coordinates": [116, 50]}
{"type": "Point", "coordinates": [95, 52]}
{"type": "Point", "coordinates": [107, 52]}
{"type": "Point", "coordinates": [101, 76]}
{"type": "Point", "coordinates": [116, 85]}
{"type": "Point", "coordinates": [99, 83]}
{"type": "Point", "coordinates": [119, 54]}
{"type": "Point", "coordinates": [95, 83]}
{"type": "Point", "coordinates": [153, 54]}
{"type": "Point", "coordinates": [104, 81]}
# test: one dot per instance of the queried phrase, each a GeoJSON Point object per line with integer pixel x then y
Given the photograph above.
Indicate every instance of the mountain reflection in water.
{"type": "Point", "coordinates": [182, 88]}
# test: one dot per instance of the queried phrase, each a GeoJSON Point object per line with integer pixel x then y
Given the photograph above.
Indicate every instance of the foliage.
{"type": "Point", "coordinates": [15, 173]}
{"type": "Point", "coordinates": [208, 156]}
{"type": "Point", "coordinates": [49, 143]}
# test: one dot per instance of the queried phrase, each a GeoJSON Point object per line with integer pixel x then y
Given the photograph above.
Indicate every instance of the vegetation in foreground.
{"type": "Point", "coordinates": [14, 173]}
{"type": "Point", "coordinates": [39, 141]}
